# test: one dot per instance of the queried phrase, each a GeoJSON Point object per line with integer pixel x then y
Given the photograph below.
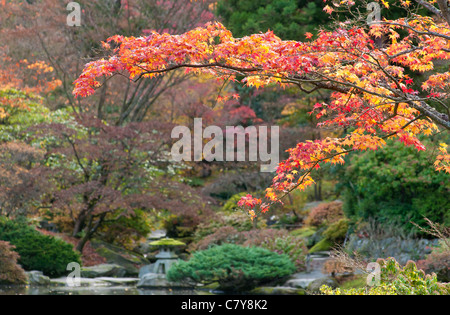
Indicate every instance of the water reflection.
{"type": "Point", "coordinates": [112, 290]}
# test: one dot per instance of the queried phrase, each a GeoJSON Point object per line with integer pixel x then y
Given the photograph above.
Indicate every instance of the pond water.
{"type": "Point", "coordinates": [110, 290]}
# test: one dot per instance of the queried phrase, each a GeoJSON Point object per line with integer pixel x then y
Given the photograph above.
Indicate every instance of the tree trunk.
{"type": "Point", "coordinates": [78, 225]}
{"type": "Point", "coordinates": [90, 231]}
{"type": "Point", "coordinates": [83, 242]}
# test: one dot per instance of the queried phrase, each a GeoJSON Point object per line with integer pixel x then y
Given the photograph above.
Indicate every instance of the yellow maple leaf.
{"type": "Point", "coordinates": [328, 9]}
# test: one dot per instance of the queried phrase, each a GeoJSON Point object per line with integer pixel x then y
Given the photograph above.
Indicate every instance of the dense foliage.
{"type": "Point", "coordinates": [37, 251]}
{"type": "Point", "coordinates": [396, 184]}
{"type": "Point", "coordinates": [10, 271]}
{"type": "Point", "coordinates": [234, 267]}
{"type": "Point", "coordinates": [397, 280]}
{"type": "Point", "coordinates": [289, 19]}
{"type": "Point", "coordinates": [362, 110]}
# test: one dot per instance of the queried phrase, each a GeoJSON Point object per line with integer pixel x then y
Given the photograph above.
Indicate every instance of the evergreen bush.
{"type": "Point", "coordinates": [235, 268]}
{"type": "Point", "coordinates": [37, 251]}
{"type": "Point", "coordinates": [396, 185]}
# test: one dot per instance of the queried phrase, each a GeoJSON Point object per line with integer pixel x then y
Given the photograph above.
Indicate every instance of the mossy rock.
{"type": "Point", "coordinates": [129, 260]}
{"type": "Point", "coordinates": [316, 237]}
{"type": "Point", "coordinates": [103, 270]}
{"type": "Point", "coordinates": [323, 245]}
{"type": "Point", "coordinates": [337, 230]}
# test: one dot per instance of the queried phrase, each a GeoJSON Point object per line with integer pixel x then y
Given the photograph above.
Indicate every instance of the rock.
{"type": "Point", "coordinates": [37, 278]}
{"type": "Point", "coordinates": [103, 270]}
{"type": "Point", "coordinates": [158, 280]}
{"type": "Point", "coordinates": [316, 237]}
{"type": "Point", "coordinates": [299, 283]}
{"type": "Point", "coordinates": [315, 285]}
{"type": "Point", "coordinates": [128, 260]}
{"type": "Point", "coordinates": [397, 247]}
{"type": "Point", "coordinates": [145, 269]}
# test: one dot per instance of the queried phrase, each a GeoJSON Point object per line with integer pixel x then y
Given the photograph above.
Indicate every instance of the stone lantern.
{"type": "Point", "coordinates": [166, 257]}
{"type": "Point", "coordinates": [154, 275]}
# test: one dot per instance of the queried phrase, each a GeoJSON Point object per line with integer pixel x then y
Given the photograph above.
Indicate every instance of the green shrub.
{"type": "Point", "coordinates": [290, 245]}
{"type": "Point", "coordinates": [396, 185]}
{"type": "Point", "coordinates": [397, 280]}
{"type": "Point", "coordinates": [235, 268]}
{"type": "Point", "coordinates": [37, 251]}
{"type": "Point", "coordinates": [276, 240]}
{"type": "Point", "coordinates": [10, 271]}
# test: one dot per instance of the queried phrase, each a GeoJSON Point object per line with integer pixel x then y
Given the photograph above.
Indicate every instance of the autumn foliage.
{"type": "Point", "coordinates": [373, 94]}
{"type": "Point", "coordinates": [10, 271]}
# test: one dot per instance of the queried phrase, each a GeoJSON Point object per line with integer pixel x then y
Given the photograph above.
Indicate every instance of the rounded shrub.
{"type": "Point", "coordinates": [37, 251]}
{"type": "Point", "coordinates": [325, 213]}
{"type": "Point", "coordinates": [235, 268]}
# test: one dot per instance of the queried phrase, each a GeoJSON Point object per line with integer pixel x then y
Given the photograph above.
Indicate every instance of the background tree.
{"type": "Point", "coordinates": [396, 185]}
{"type": "Point", "coordinates": [288, 19]}
{"type": "Point", "coordinates": [99, 173]}
{"type": "Point", "coordinates": [286, 107]}
{"type": "Point", "coordinates": [42, 29]}
{"type": "Point", "coordinates": [18, 178]}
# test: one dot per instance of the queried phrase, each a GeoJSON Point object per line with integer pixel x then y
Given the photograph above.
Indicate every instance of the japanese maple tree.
{"type": "Point", "coordinates": [374, 96]}
{"type": "Point", "coordinates": [96, 173]}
